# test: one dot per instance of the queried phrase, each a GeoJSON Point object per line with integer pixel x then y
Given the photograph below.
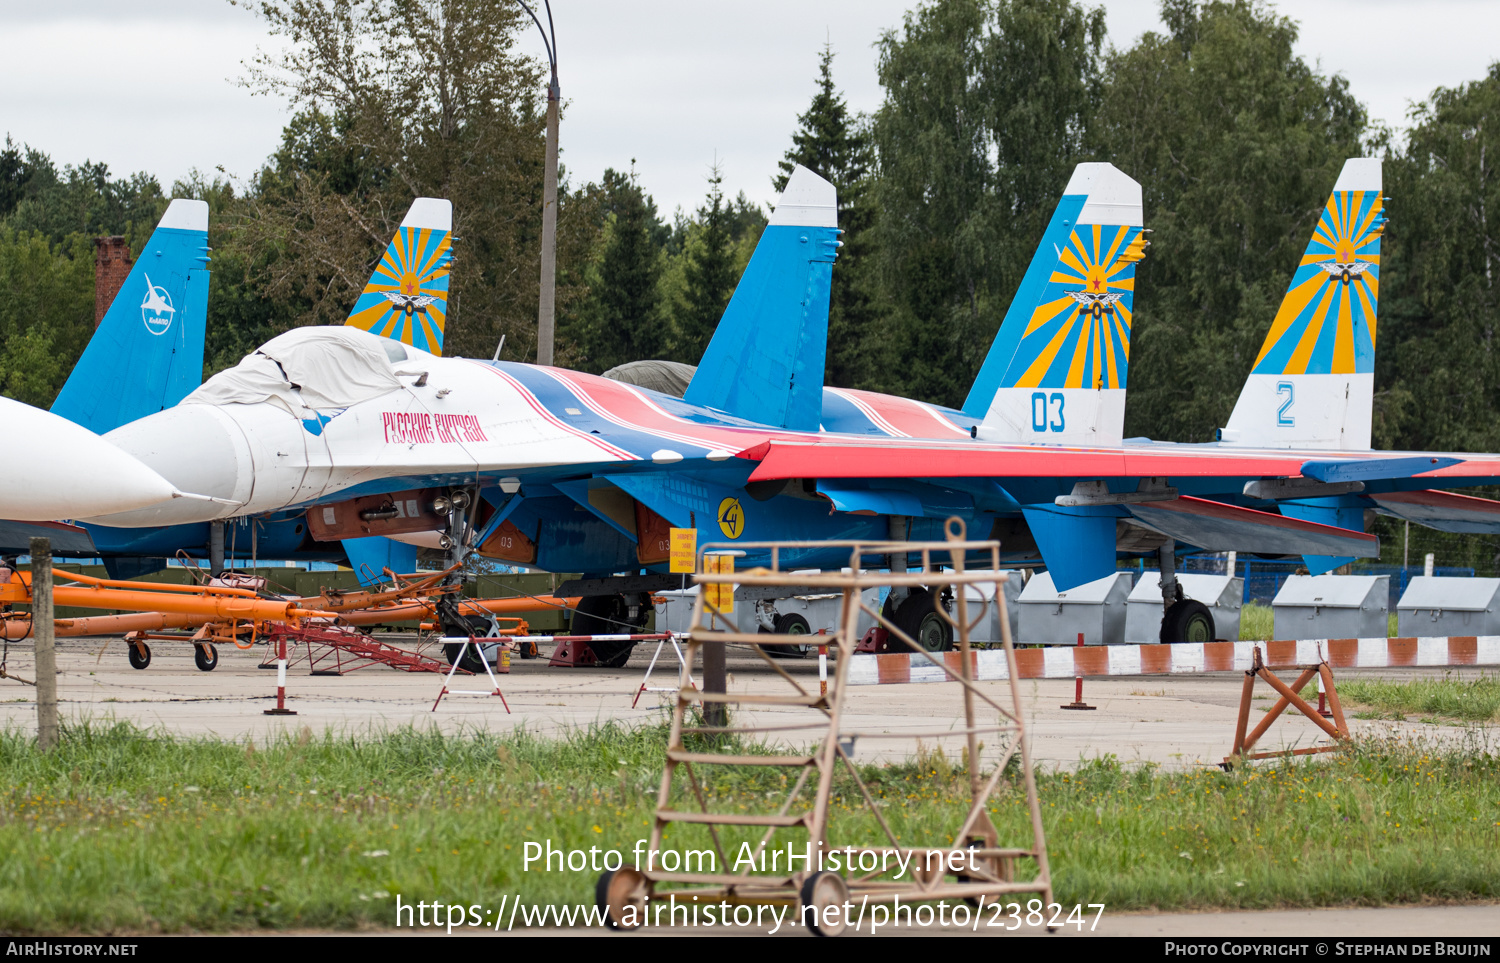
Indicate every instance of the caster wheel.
{"type": "Point", "coordinates": [140, 654]}
{"type": "Point", "coordinates": [620, 895]}
{"type": "Point", "coordinates": [820, 891]}
{"type": "Point", "coordinates": [205, 657]}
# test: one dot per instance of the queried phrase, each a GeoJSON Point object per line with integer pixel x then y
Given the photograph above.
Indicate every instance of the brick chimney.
{"type": "Point", "coordinates": [111, 268]}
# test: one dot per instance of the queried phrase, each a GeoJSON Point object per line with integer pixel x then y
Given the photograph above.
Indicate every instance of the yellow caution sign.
{"type": "Point", "coordinates": [684, 547]}
{"type": "Point", "coordinates": [731, 518]}
{"type": "Point", "coordinates": [720, 597]}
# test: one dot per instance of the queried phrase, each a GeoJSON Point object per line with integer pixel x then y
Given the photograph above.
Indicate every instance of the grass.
{"type": "Point", "coordinates": [1466, 700]}
{"type": "Point", "coordinates": [124, 830]}
{"type": "Point", "coordinates": [1256, 622]}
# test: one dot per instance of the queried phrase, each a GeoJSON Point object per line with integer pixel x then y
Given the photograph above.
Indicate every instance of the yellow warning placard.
{"type": "Point", "coordinates": [720, 597]}
{"type": "Point", "coordinates": [684, 542]}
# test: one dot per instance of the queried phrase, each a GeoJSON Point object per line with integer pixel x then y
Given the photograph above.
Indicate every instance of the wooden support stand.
{"type": "Point", "coordinates": [964, 860]}
{"type": "Point", "coordinates": [1338, 730]}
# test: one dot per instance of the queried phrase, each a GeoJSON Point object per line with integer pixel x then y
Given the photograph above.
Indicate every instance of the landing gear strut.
{"type": "Point", "coordinates": [1183, 619]}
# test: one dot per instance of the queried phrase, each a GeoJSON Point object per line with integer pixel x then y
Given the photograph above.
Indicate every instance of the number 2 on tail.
{"type": "Point", "coordinates": [1283, 419]}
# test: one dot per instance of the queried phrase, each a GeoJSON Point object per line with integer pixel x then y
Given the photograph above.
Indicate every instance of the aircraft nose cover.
{"type": "Point", "coordinates": [55, 469]}
{"type": "Point", "coordinates": [198, 450]}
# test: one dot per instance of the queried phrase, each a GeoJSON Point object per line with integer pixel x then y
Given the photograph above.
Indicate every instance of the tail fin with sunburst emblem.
{"type": "Point", "coordinates": [1056, 372]}
{"type": "Point", "coordinates": [407, 297]}
{"type": "Point", "coordinates": [1313, 383]}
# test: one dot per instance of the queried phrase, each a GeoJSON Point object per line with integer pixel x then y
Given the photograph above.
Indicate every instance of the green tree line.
{"type": "Point", "coordinates": [945, 190]}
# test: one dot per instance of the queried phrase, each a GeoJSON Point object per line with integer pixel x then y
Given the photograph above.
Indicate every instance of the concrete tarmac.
{"type": "Point", "coordinates": [1173, 721]}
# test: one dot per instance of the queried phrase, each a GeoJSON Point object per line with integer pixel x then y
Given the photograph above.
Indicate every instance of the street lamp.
{"type": "Point", "coordinates": [545, 321]}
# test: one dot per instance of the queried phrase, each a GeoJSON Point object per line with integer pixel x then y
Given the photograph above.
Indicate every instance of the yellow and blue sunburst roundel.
{"type": "Point", "coordinates": [1326, 324]}
{"type": "Point", "coordinates": [1079, 332]}
{"type": "Point", "coordinates": [407, 297]}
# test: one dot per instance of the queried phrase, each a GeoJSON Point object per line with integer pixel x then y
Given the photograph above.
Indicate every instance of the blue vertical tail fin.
{"type": "Point", "coordinates": [765, 361]}
{"type": "Point", "coordinates": [407, 297]}
{"type": "Point", "coordinates": [147, 353]}
{"type": "Point", "coordinates": [1313, 383]}
{"type": "Point", "coordinates": [1056, 371]}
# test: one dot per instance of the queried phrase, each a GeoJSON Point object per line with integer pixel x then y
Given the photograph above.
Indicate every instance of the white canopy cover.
{"type": "Point", "coordinates": [318, 367]}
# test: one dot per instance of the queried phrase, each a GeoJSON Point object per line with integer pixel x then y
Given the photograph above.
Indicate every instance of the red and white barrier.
{"type": "Point", "coordinates": [1068, 661]}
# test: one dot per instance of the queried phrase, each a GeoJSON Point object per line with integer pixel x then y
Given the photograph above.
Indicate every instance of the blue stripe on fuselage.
{"type": "Point", "coordinates": [555, 395]}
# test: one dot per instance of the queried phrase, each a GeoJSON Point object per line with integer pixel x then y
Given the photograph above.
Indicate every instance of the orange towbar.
{"type": "Point", "coordinates": [209, 602]}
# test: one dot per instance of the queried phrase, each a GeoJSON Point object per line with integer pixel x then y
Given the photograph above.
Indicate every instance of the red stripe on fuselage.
{"type": "Point", "coordinates": [556, 422]}
{"type": "Point", "coordinates": [626, 406]}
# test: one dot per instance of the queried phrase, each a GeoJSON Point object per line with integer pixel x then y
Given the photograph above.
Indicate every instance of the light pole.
{"type": "Point", "coordinates": [545, 299]}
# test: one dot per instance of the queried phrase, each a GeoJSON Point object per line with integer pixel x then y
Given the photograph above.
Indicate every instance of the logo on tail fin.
{"type": "Point", "coordinates": [157, 311]}
{"type": "Point", "coordinates": [1079, 335]}
{"type": "Point", "coordinates": [407, 297]}
{"type": "Point", "coordinates": [1326, 323]}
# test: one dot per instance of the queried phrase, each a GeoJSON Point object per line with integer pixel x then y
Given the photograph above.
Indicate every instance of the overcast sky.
{"type": "Point", "coordinates": [152, 84]}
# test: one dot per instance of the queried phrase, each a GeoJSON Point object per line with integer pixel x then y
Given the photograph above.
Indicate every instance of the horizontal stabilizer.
{"type": "Point", "coordinates": [1216, 527]}
{"type": "Point", "coordinates": [147, 353]}
{"type": "Point", "coordinates": [67, 540]}
{"type": "Point", "coordinates": [1057, 369]}
{"type": "Point", "coordinates": [765, 361]}
{"type": "Point", "coordinates": [407, 297]}
{"type": "Point", "coordinates": [1313, 383]}
{"type": "Point", "coordinates": [1443, 511]}
{"type": "Point", "coordinates": [903, 458]}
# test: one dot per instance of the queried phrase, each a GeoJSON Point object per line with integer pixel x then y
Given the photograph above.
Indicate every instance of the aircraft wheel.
{"type": "Point", "coordinates": [918, 619]}
{"type": "Point", "coordinates": [1187, 621]}
{"type": "Point", "coordinates": [205, 657]}
{"type": "Point", "coordinates": [791, 623]}
{"type": "Point", "coordinates": [473, 661]}
{"type": "Point", "coordinates": [139, 653]}
{"type": "Point", "coordinates": [604, 615]}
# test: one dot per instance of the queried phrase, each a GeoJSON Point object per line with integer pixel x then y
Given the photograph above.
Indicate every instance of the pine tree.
{"type": "Point", "coordinates": [835, 145]}
{"type": "Point", "coordinates": [623, 317]}
{"type": "Point", "coordinates": [709, 273]}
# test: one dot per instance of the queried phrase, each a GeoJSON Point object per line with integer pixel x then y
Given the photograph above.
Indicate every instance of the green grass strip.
{"type": "Point", "coordinates": [125, 830]}
{"type": "Point", "coordinates": [1470, 700]}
